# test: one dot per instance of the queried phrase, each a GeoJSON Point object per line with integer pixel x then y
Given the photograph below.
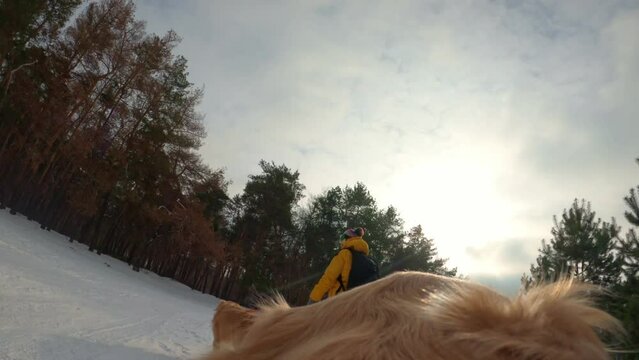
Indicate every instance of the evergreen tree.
{"type": "Point", "coordinates": [321, 224]}
{"type": "Point", "coordinates": [629, 246]}
{"type": "Point", "coordinates": [263, 224]}
{"type": "Point", "coordinates": [581, 247]}
{"type": "Point", "coordinates": [420, 254]}
{"type": "Point", "coordinates": [627, 307]}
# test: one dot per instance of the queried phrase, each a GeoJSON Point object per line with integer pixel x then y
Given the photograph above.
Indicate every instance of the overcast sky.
{"type": "Point", "coordinates": [479, 120]}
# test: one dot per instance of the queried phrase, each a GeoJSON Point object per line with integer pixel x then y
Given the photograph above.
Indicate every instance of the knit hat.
{"type": "Point", "coordinates": [353, 232]}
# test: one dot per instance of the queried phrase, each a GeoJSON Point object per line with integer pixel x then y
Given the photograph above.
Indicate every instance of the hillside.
{"type": "Point", "coordinates": [59, 301]}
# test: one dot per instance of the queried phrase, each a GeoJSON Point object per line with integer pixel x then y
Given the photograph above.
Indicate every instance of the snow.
{"type": "Point", "coordinates": [58, 301]}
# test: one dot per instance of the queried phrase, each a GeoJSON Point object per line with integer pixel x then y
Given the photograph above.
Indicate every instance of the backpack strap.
{"type": "Point", "coordinates": [341, 285]}
{"type": "Point", "coordinates": [339, 278]}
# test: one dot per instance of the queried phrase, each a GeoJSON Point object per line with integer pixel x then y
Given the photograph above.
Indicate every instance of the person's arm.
{"type": "Point", "coordinates": [329, 278]}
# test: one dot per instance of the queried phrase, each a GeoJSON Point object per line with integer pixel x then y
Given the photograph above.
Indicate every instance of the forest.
{"type": "Point", "coordinates": [99, 139]}
{"type": "Point", "coordinates": [99, 135]}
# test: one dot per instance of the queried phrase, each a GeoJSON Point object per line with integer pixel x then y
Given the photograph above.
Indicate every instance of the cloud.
{"type": "Point", "coordinates": [507, 285]}
{"type": "Point", "coordinates": [478, 120]}
{"type": "Point", "coordinates": [512, 256]}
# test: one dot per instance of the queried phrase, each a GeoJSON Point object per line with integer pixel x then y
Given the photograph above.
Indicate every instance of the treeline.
{"type": "Point", "coordinates": [98, 141]}
{"type": "Point", "coordinates": [595, 251]}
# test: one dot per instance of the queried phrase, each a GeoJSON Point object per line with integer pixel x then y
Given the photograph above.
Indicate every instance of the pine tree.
{"type": "Point", "coordinates": [629, 246]}
{"type": "Point", "coordinates": [581, 247]}
{"type": "Point", "coordinates": [627, 302]}
{"type": "Point", "coordinates": [263, 225]}
{"type": "Point", "coordinates": [420, 254]}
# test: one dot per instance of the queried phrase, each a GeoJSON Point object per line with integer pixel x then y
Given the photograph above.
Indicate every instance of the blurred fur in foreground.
{"type": "Point", "coordinates": [413, 315]}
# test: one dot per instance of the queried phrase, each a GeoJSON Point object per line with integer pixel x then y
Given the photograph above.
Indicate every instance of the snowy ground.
{"type": "Point", "coordinates": [59, 301]}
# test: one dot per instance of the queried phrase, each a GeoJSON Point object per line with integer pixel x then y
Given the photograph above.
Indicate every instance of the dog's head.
{"type": "Point", "coordinates": [415, 315]}
{"type": "Point", "coordinates": [230, 323]}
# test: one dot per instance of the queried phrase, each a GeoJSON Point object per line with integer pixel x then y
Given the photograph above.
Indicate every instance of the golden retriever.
{"type": "Point", "coordinates": [413, 315]}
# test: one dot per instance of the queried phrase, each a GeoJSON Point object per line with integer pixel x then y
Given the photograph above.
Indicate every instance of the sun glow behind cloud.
{"type": "Point", "coordinates": [455, 197]}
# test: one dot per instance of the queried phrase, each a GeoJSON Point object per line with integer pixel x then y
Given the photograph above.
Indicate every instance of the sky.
{"type": "Point", "coordinates": [479, 120]}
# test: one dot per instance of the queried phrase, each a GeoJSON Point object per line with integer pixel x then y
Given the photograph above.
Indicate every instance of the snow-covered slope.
{"type": "Point", "coordinates": [59, 301]}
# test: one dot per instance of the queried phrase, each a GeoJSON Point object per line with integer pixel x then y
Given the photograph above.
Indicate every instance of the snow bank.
{"type": "Point", "coordinates": [58, 301]}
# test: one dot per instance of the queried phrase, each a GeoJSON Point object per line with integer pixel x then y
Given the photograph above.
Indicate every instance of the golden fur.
{"type": "Point", "coordinates": [230, 323]}
{"type": "Point", "coordinates": [412, 315]}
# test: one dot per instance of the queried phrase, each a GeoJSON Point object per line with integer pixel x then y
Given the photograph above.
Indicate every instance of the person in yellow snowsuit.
{"type": "Point", "coordinates": [329, 284]}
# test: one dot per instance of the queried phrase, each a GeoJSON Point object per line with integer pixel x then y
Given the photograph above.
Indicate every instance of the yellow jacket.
{"type": "Point", "coordinates": [341, 264]}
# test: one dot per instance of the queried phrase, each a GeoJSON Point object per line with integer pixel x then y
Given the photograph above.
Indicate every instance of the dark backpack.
{"type": "Point", "coordinates": [363, 270]}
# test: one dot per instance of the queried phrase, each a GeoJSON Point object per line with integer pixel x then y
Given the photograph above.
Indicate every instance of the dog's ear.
{"type": "Point", "coordinates": [230, 323]}
{"type": "Point", "coordinates": [556, 321]}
